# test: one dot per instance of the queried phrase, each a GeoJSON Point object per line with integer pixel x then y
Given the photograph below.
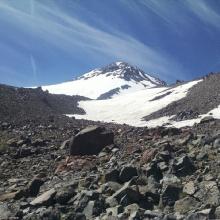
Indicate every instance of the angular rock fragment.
{"type": "Point", "coordinates": [127, 173]}
{"type": "Point", "coordinates": [34, 187]}
{"type": "Point", "coordinates": [208, 193]}
{"type": "Point", "coordinates": [63, 195]}
{"type": "Point", "coordinates": [189, 188]}
{"type": "Point", "coordinates": [185, 205]}
{"type": "Point", "coordinates": [170, 194]}
{"type": "Point", "coordinates": [112, 175]}
{"type": "Point", "coordinates": [202, 215]}
{"type": "Point", "coordinates": [12, 195]}
{"type": "Point", "coordinates": [183, 166]}
{"type": "Point", "coordinates": [127, 192]}
{"type": "Point", "coordinates": [45, 199]}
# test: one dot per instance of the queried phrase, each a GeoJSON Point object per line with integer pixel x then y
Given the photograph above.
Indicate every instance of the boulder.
{"type": "Point", "coordinates": [63, 195]}
{"type": "Point", "coordinates": [112, 175]}
{"type": "Point", "coordinates": [34, 187]}
{"type": "Point", "coordinates": [110, 187]}
{"type": "Point", "coordinates": [170, 194]}
{"type": "Point", "coordinates": [183, 166]}
{"type": "Point", "coordinates": [128, 193]}
{"type": "Point", "coordinates": [148, 155]}
{"type": "Point", "coordinates": [44, 199]}
{"type": "Point", "coordinates": [208, 193]}
{"type": "Point", "coordinates": [185, 205]}
{"type": "Point", "coordinates": [216, 143]}
{"type": "Point", "coordinates": [12, 195]}
{"type": "Point", "coordinates": [217, 212]}
{"type": "Point", "coordinates": [127, 173]}
{"type": "Point", "coordinates": [90, 141]}
{"type": "Point", "coordinates": [170, 179]}
{"type": "Point", "coordinates": [88, 211]}
{"type": "Point", "coordinates": [132, 208]}
{"type": "Point", "coordinates": [154, 170]}
{"type": "Point", "coordinates": [189, 188]}
{"type": "Point", "coordinates": [5, 212]}
{"type": "Point", "coordinates": [202, 215]}
{"type": "Point", "coordinates": [94, 208]}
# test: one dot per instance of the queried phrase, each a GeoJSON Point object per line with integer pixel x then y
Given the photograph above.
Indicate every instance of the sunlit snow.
{"type": "Point", "coordinates": [131, 108]}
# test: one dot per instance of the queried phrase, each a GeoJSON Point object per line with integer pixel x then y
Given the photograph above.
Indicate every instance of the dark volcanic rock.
{"type": "Point", "coordinates": [127, 173]}
{"type": "Point", "coordinates": [64, 195]}
{"type": "Point", "coordinates": [183, 166]}
{"type": "Point", "coordinates": [90, 141]}
{"type": "Point", "coordinates": [113, 175]}
{"type": "Point", "coordinates": [34, 186]}
{"type": "Point", "coordinates": [170, 194]}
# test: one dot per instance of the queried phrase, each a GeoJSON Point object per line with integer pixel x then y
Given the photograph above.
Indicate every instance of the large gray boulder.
{"type": "Point", "coordinates": [90, 141]}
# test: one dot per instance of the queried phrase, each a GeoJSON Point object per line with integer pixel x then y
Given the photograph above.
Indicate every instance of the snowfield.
{"type": "Point", "coordinates": [131, 108]}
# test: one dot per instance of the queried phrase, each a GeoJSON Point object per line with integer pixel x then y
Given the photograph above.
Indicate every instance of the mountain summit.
{"type": "Point", "coordinates": [124, 71]}
{"type": "Point", "coordinates": [107, 82]}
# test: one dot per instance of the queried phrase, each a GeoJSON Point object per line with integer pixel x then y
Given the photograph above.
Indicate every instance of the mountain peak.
{"type": "Point", "coordinates": [124, 71]}
{"type": "Point", "coordinates": [115, 79]}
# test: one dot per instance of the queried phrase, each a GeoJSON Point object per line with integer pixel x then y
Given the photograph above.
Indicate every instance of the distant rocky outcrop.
{"type": "Point", "coordinates": [200, 99]}
{"type": "Point", "coordinates": [20, 103]}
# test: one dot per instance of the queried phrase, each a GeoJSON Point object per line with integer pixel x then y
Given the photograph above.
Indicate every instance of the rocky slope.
{"type": "Point", "coordinates": [160, 173]}
{"type": "Point", "coordinates": [200, 99]}
{"type": "Point", "coordinates": [20, 103]}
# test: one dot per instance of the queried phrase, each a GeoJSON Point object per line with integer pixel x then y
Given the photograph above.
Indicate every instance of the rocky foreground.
{"type": "Point", "coordinates": [113, 172]}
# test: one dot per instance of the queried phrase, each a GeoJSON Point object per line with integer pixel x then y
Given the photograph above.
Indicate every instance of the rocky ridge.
{"type": "Point", "coordinates": [200, 99]}
{"type": "Point", "coordinates": [26, 103]}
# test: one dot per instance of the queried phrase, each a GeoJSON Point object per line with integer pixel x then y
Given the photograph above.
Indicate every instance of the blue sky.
{"type": "Point", "coordinates": [50, 41]}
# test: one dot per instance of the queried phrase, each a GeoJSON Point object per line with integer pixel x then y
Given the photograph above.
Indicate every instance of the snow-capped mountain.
{"type": "Point", "coordinates": [115, 79]}
{"type": "Point", "coordinates": [122, 93]}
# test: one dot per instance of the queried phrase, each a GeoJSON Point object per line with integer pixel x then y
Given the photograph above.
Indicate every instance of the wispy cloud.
{"type": "Point", "coordinates": [204, 11]}
{"type": "Point", "coordinates": [179, 13]}
{"type": "Point", "coordinates": [173, 14]}
{"type": "Point", "coordinates": [34, 69]}
{"type": "Point", "coordinates": [46, 22]}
